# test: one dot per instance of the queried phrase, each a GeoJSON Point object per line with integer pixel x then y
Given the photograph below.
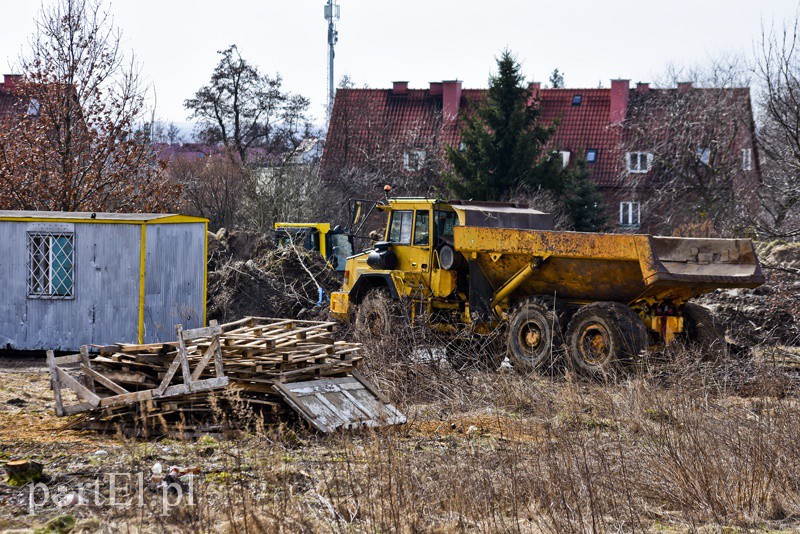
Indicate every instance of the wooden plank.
{"type": "Point", "coordinates": [184, 359]}
{"type": "Point", "coordinates": [173, 368]}
{"type": "Point", "coordinates": [65, 360]}
{"type": "Point", "coordinates": [87, 381]}
{"type": "Point", "coordinates": [55, 384]}
{"type": "Point", "coordinates": [309, 416]}
{"type": "Point", "coordinates": [79, 408]}
{"type": "Point", "coordinates": [77, 387]}
{"type": "Point", "coordinates": [107, 382]}
{"type": "Point", "coordinates": [196, 333]}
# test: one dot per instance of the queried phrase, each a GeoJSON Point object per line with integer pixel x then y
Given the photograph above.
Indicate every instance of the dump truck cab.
{"type": "Point", "coordinates": [333, 244]}
{"type": "Point", "coordinates": [415, 257]}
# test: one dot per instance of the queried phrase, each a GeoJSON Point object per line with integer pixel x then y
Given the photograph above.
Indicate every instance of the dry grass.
{"type": "Point", "coordinates": [676, 445]}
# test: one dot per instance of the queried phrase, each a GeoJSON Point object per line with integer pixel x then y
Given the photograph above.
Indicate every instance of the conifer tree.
{"type": "Point", "coordinates": [503, 142]}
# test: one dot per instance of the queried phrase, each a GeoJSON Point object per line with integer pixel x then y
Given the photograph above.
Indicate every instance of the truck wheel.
{"type": "Point", "coordinates": [704, 330]}
{"type": "Point", "coordinates": [531, 336]}
{"type": "Point", "coordinates": [376, 316]}
{"type": "Point", "coordinates": [483, 353]}
{"type": "Point", "coordinates": [603, 335]}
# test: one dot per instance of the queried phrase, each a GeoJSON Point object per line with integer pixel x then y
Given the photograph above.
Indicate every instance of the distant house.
{"type": "Point", "coordinates": [11, 103]}
{"type": "Point", "coordinates": [627, 136]}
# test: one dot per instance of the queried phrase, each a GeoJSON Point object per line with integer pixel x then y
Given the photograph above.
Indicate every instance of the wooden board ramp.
{"type": "Point", "coordinates": [346, 402]}
{"type": "Point", "coordinates": [208, 377]}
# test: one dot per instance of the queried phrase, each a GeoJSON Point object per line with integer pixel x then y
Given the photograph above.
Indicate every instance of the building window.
{"type": "Point", "coordinates": [591, 155]}
{"type": "Point", "coordinates": [747, 159]}
{"type": "Point", "coordinates": [400, 227]}
{"type": "Point", "coordinates": [51, 265]}
{"type": "Point", "coordinates": [629, 213]}
{"type": "Point", "coordinates": [564, 157]}
{"type": "Point", "coordinates": [577, 100]}
{"type": "Point", "coordinates": [33, 107]}
{"type": "Point", "coordinates": [639, 162]}
{"type": "Point", "coordinates": [704, 155]}
{"type": "Point", "coordinates": [462, 146]}
{"type": "Point", "coordinates": [413, 160]}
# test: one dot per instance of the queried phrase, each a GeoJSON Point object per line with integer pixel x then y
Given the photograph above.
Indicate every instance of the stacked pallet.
{"type": "Point", "coordinates": [203, 380]}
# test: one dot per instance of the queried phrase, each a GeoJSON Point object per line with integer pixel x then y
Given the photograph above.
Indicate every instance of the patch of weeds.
{"type": "Point", "coordinates": [659, 415]}
{"type": "Point", "coordinates": [58, 525]}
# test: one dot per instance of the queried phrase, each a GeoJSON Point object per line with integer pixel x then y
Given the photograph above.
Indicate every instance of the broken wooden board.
{"type": "Point", "coordinates": [347, 402]}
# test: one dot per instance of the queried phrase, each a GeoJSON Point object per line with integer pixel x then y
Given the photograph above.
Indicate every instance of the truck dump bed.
{"type": "Point", "coordinates": [608, 267]}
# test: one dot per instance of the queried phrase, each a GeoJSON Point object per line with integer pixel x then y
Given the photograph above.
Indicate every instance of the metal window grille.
{"type": "Point", "coordinates": [51, 262]}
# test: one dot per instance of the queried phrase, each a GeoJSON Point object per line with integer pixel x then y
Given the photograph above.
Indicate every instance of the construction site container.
{"type": "Point", "coordinates": [68, 279]}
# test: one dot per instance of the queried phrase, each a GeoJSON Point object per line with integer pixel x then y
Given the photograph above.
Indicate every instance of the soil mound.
{"type": "Point", "coordinates": [768, 314]}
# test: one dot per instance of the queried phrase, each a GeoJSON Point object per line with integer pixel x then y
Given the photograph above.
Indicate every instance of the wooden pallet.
{"type": "Point", "coordinates": [184, 380]}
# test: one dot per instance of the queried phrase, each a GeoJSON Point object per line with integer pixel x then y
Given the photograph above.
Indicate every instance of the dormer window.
{"type": "Point", "coordinates": [577, 100]}
{"type": "Point", "coordinates": [33, 107]}
{"type": "Point", "coordinates": [591, 155]}
{"type": "Point", "coordinates": [639, 162]}
{"type": "Point", "coordinates": [413, 160]}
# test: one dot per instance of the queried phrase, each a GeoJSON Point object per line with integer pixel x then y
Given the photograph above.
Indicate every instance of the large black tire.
{"type": "Point", "coordinates": [377, 316]}
{"type": "Point", "coordinates": [702, 329]}
{"type": "Point", "coordinates": [603, 336]}
{"type": "Point", "coordinates": [533, 337]}
{"type": "Point", "coordinates": [477, 352]}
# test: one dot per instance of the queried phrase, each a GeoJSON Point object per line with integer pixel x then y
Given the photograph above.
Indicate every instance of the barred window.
{"type": "Point", "coordinates": [51, 265]}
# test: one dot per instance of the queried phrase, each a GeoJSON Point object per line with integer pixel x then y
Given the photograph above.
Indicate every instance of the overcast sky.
{"type": "Point", "coordinates": [591, 41]}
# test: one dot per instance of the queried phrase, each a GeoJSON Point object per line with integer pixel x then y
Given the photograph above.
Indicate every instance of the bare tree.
{"type": "Point", "coordinates": [778, 70]}
{"type": "Point", "coordinates": [71, 143]}
{"type": "Point", "coordinates": [216, 186]}
{"type": "Point", "coordinates": [242, 108]}
{"type": "Point", "coordinates": [695, 144]}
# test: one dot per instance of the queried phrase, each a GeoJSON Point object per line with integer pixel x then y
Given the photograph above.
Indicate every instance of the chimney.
{"type": "Point", "coordinates": [436, 89]}
{"type": "Point", "coordinates": [399, 88]}
{"type": "Point", "coordinates": [642, 87]}
{"type": "Point", "coordinates": [684, 87]}
{"type": "Point", "coordinates": [619, 100]}
{"type": "Point", "coordinates": [534, 88]}
{"type": "Point", "coordinates": [10, 81]}
{"type": "Point", "coordinates": [451, 99]}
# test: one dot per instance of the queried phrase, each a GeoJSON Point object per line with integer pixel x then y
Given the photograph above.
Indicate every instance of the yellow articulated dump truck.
{"type": "Point", "coordinates": [493, 267]}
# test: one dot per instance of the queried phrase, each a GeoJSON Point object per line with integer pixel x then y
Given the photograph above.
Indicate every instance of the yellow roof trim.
{"type": "Point", "coordinates": [171, 219]}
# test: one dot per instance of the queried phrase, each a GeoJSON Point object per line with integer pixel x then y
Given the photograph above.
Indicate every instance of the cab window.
{"type": "Point", "coordinates": [422, 228]}
{"type": "Point", "coordinates": [400, 227]}
{"type": "Point", "coordinates": [445, 222]}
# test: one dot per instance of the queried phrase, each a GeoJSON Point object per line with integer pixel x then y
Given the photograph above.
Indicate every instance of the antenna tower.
{"type": "Point", "coordinates": [331, 15]}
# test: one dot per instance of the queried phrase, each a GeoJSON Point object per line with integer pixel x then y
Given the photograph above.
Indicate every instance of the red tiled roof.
{"type": "Point", "coordinates": [372, 127]}
{"type": "Point", "coordinates": [584, 127]}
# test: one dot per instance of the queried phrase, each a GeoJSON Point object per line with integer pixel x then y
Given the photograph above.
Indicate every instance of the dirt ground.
{"type": "Point", "coordinates": [676, 449]}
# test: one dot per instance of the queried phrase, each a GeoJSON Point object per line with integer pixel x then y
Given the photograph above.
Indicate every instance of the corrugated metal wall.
{"type": "Point", "coordinates": [105, 304]}
{"type": "Point", "coordinates": [174, 279]}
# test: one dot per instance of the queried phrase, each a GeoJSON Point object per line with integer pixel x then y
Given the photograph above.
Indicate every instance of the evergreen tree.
{"type": "Point", "coordinates": [582, 202]}
{"type": "Point", "coordinates": [503, 142]}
